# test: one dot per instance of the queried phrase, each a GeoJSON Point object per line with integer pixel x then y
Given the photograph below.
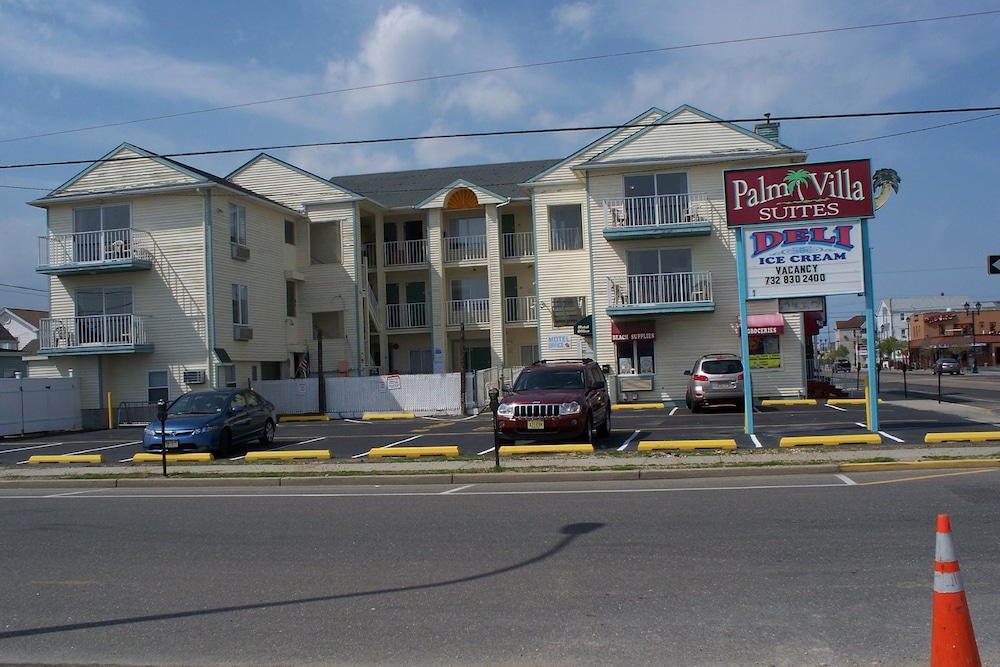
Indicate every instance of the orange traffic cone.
{"type": "Point", "coordinates": [953, 642]}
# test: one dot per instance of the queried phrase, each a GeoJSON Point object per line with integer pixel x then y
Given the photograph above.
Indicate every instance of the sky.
{"type": "Point", "coordinates": [79, 78]}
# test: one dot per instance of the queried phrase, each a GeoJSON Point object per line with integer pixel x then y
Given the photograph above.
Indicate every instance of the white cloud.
{"type": "Point", "coordinates": [577, 18]}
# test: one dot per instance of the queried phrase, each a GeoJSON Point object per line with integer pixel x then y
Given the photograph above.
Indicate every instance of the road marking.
{"type": "Point", "coordinates": [486, 451]}
{"type": "Point", "coordinates": [835, 407]}
{"type": "Point", "coordinates": [847, 480]}
{"type": "Point", "coordinates": [628, 441]}
{"type": "Point", "coordinates": [28, 449]}
{"type": "Point", "coordinates": [891, 437]}
{"type": "Point", "coordinates": [71, 493]}
{"type": "Point", "coordinates": [672, 411]}
{"type": "Point", "coordinates": [755, 441]}
{"type": "Point", "coordinates": [276, 449]}
{"type": "Point", "coordinates": [919, 478]}
{"type": "Point", "coordinates": [391, 444]}
{"type": "Point", "coordinates": [456, 490]}
{"type": "Point", "coordinates": [358, 421]}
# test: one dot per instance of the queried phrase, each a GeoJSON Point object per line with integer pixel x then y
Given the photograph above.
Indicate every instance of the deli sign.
{"type": "Point", "coordinates": [793, 194]}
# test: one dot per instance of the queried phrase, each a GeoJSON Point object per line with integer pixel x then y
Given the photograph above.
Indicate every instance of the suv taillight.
{"type": "Point", "coordinates": [740, 378]}
{"type": "Point", "coordinates": [700, 378]}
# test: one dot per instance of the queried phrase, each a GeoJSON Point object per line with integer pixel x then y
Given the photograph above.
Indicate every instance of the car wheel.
{"type": "Point", "coordinates": [588, 430]}
{"type": "Point", "coordinates": [267, 436]}
{"type": "Point", "coordinates": [604, 430]}
{"type": "Point", "coordinates": [687, 400]}
{"type": "Point", "coordinates": [225, 443]}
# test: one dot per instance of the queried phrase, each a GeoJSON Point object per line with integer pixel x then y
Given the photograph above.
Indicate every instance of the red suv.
{"type": "Point", "coordinates": [557, 399]}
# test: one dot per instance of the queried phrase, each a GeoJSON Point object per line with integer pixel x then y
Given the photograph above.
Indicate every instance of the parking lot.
{"type": "Point", "coordinates": [900, 424]}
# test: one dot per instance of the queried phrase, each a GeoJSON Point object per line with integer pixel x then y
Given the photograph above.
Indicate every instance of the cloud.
{"type": "Point", "coordinates": [576, 18]}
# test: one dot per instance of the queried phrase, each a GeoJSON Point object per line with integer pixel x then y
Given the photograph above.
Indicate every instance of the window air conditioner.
{"type": "Point", "coordinates": [242, 333]}
{"type": "Point", "coordinates": [240, 252]}
{"type": "Point", "coordinates": [194, 377]}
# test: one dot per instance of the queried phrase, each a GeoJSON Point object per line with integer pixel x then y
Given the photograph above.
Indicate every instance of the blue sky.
{"type": "Point", "coordinates": [75, 75]}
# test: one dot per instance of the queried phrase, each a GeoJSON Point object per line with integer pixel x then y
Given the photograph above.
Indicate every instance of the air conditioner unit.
{"type": "Point", "coordinates": [242, 333]}
{"type": "Point", "coordinates": [194, 377]}
{"type": "Point", "coordinates": [240, 252]}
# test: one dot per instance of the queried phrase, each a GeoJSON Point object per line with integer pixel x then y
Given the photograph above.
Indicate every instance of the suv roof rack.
{"type": "Point", "coordinates": [542, 362]}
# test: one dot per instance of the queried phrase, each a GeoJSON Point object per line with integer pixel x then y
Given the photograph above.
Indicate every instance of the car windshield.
{"type": "Point", "coordinates": [550, 379]}
{"type": "Point", "coordinates": [198, 404]}
{"type": "Point", "coordinates": [722, 367]}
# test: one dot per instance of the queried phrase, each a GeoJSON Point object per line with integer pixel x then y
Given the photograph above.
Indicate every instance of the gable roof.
{"type": "Point", "coordinates": [409, 189]}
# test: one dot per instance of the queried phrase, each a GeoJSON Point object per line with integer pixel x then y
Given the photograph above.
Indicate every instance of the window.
{"type": "Point", "coordinates": [104, 315]}
{"type": "Point", "coordinates": [226, 374]}
{"type": "Point", "coordinates": [289, 232]}
{"type": "Point", "coordinates": [470, 288]}
{"type": "Point", "coordinates": [566, 227]}
{"type": "Point", "coordinates": [656, 198]}
{"type": "Point", "coordinates": [100, 232]}
{"type": "Point", "coordinates": [466, 239]}
{"type": "Point", "coordinates": [529, 354]}
{"type": "Point", "coordinates": [237, 225]}
{"type": "Point", "coordinates": [241, 305]}
{"type": "Point", "coordinates": [765, 352]}
{"type": "Point", "coordinates": [324, 243]}
{"type": "Point", "coordinates": [662, 275]}
{"type": "Point", "coordinates": [567, 310]}
{"type": "Point", "coordinates": [421, 361]}
{"type": "Point", "coordinates": [635, 356]}
{"type": "Point", "coordinates": [291, 309]}
{"type": "Point", "coordinates": [157, 386]}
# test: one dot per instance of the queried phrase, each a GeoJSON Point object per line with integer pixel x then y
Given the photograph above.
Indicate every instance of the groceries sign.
{"type": "Point", "coordinates": [793, 194]}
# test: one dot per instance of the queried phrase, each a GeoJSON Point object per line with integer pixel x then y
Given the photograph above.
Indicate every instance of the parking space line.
{"type": "Point", "coordinates": [673, 410]}
{"type": "Point", "coordinates": [891, 437]}
{"type": "Point", "coordinates": [629, 440]}
{"type": "Point", "coordinates": [456, 490]}
{"type": "Point", "coordinates": [391, 444]}
{"type": "Point", "coordinates": [28, 449]}
{"type": "Point", "coordinates": [835, 407]}
{"type": "Point", "coordinates": [846, 480]}
{"type": "Point", "coordinates": [755, 441]}
{"type": "Point", "coordinates": [486, 451]}
{"type": "Point", "coordinates": [358, 421]}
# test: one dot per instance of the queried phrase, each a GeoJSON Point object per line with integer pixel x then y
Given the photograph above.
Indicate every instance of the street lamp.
{"type": "Point", "coordinates": [973, 310]}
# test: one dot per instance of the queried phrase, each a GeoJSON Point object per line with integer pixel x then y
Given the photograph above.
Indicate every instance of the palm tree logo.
{"type": "Point", "coordinates": [795, 179]}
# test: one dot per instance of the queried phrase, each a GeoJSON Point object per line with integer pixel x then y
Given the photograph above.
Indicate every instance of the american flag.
{"type": "Point", "coordinates": [303, 368]}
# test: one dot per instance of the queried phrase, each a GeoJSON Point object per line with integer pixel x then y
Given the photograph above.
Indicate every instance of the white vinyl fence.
{"type": "Point", "coordinates": [36, 405]}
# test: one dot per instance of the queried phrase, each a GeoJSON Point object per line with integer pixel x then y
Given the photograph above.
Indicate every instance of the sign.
{"type": "Point", "coordinates": [623, 332]}
{"type": "Point", "coordinates": [560, 343]}
{"type": "Point", "coordinates": [585, 327]}
{"type": "Point", "coordinates": [994, 265]}
{"type": "Point", "coordinates": [812, 260]}
{"type": "Point", "coordinates": [393, 382]}
{"type": "Point", "coordinates": [794, 194]}
{"type": "Point", "coordinates": [803, 304]}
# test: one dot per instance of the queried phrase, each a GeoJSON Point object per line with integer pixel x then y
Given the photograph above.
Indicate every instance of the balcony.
{"type": "Point", "coordinates": [689, 214]}
{"type": "Point", "coordinates": [405, 253]}
{"type": "Point", "coordinates": [660, 293]}
{"type": "Point", "coordinates": [474, 312]}
{"type": "Point", "coordinates": [93, 334]}
{"type": "Point", "coordinates": [405, 316]}
{"type": "Point", "coordinates": [519, 310]}
{"type": "Point", "coordinates": [108, 251]}
{"type": "Point", "coordinates": [368, 255]}
{"type": "Point", "coordinates": [519, 245]}
{"type": "Point", "coordinates": [465, 249]}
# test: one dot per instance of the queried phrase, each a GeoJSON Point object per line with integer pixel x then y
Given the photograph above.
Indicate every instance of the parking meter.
{"type": "Point", "coordinates": [161, 415]}
{"type": "Point", "coordinates": [494, 406]}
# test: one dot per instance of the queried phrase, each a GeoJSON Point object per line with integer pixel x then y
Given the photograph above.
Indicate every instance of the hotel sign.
{"type": "Point", "coordinates": [801, 193]}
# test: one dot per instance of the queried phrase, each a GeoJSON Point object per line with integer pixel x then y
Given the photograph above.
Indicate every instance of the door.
{"type": "Point", "coordinates": [510, 300]}
{"type": "Point", "coordinates": [416, 304]}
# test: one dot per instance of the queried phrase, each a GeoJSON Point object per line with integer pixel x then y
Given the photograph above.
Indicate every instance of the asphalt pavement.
{"type": "Point", "coordinates": [540, 466]}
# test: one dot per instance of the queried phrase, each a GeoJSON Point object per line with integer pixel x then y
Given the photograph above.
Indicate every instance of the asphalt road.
{"type": "Point", "coordinates": [792, 570]}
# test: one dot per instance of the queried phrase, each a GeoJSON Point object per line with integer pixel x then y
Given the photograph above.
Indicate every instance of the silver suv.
{"type": "Point", "coordinates": [715, 378]}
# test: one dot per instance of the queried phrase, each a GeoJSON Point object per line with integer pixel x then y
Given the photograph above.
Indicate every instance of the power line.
{"type": "Point", "coordinates": [22, 287]}
{"type": "Point", "coordinates": [494, 70]}
{"type": "Point", "coordinates": [994, 111]}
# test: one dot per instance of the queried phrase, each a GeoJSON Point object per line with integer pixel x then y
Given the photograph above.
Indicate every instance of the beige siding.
{"type": "Point", "coordinates": [134, 171]}
{"type": "Point", "coordinates": [287, 186]}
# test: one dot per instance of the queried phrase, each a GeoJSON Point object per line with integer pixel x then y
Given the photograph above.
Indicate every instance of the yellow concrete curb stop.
{"type": "Point", "coordinates": [507, 450]}
{"type": "Point", "coordinates": [66, 458]}
{"type": "Point", "coordinates": [638, 406]}
{"type": "Point", "coordinates": [649, 445]}
{"type": "Point", "coordinates": [285, 455]}
{"type": "Point", "coordinates": [970, 436]}
{"type": "Point", "coordinates": [863, 439]}
{"type": "Point", "coordinates": [380, 452]}
{"type": "Point", "coordinates": [788, 401]}
{"type": "Point", "coordinates": [368, 416]}
{"type": "Point", "coordinates": [149, 457]}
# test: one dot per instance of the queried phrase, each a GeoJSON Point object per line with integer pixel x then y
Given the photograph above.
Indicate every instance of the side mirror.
{"type": "Point", "coordinates": [236, 409]}
{"type": "Point", "coordinates": [687, 372]}
{"type": "Point", "coordinates": [600, 384]}
{"type": "Point", "coordinates": [507, 388]}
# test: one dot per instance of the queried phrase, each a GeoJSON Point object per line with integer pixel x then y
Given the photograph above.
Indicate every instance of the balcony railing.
{"type": "Point", "coordinates": [465, 248]}
{"type": "Point", "coordinates": [405, 253]}
{"type": "Point", "coordinates": [517, 245]}
{"type": "Point", "coordinates": [519, 309]}
{"type": "Point", "coordinates": [93, 331]}
{"type": "Point", "coordinates": [658, 210]}
{"type": "Point", "coordinates": [368, 254]}
{"type": "Point", "coordinates": [405, 315]}
{"type": "Point", "coordinates": [468, 311]}
{"type": "Point", "coordinates": [110, 246]}
{"type": "Point", "coordinates": [660, 289]}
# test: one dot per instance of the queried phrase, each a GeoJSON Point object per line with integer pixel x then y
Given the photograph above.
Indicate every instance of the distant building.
{"type": "Point", "coordinates": [18, 339]}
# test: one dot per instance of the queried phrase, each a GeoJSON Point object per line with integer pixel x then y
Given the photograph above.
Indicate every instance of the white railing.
{"type": "Point", "coordinates": [372, 298]}
{"type": "Point", "coordinates": [92, 330]}
{"type": "Point", "coordinates": [468, 311]}
{"type": "Point", "coordinates": [405, 315]}
{"type": "Point", "coordinates": [660, 288]}
{"type": "Point", "coordinates": [465, 248]}
{"type": "Point", "coordinates": [518, 244]}
{"type": "Point", "coordinates": [368, 254]}
{"type": "Point", "coordinates": [519, 309]}
{"type": "Point", "coordinates": [111, 245]}
{"type": "Point", "coordinates": [658, 210]}
{"type": "Point", "coordinates": [403, 253]}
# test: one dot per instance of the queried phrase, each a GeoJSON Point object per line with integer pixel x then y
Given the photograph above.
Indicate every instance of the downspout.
{"type": "Point", "coordinates": [209, 289]}
{"type": "Point", "coordinates": [538, 296]}
{"type": "Point", "coordinates": [503, 303]}
{"type": "Point", "coordinates": [593, 293]}
{"type": "Point", "coordinates": [357, 286]}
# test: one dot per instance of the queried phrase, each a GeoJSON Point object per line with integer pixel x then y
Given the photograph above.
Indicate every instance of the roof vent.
{"type": "Point", "coordinates": [767, 129]}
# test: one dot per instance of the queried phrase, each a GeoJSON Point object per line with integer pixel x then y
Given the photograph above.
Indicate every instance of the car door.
{"type": "Point", "coordinates": [239, 417]}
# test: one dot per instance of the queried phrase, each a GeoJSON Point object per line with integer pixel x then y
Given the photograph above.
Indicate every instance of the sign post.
{"type": "Point", "coordinates": [801, 231]}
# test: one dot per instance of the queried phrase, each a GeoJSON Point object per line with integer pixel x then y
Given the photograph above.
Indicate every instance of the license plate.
{"type": "Point", "coordinates": [724, 385]}
{"type": "Point", "coordinates": [536, 424]}
{"type": "Point", "coordinates": [173, 444]}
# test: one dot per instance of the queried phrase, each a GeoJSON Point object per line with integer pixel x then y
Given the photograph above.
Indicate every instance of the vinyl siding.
{"type": "Point", "coordinates": [285, 185]}
{"type": "Point", "coordinates": [132, 172]}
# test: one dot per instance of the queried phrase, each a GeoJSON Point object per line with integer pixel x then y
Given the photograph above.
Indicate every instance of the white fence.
{"type": "Point", "coordinates": [36, 405]}
{"type": "Point", "coordinates": [291, 397]}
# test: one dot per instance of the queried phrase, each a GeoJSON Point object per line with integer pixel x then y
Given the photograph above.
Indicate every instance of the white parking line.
{"type": "Point", "coordinates": [891, 437]}
{"type": "Point", "coordinates": [28, 449]}
{"type": "Point", "coordinates": [755, 441]}
{"type": "Point", "coordinates": [359, 421]}
{"type": "Point", "coordinates": [391, 444]}
{"type": "Point", "coordinates": [628, 440]}
{"type": "Point", "coordinates": [846, 480]}
{"type": "Point", "coordinates": [673, 410]}
{"type": "Point", "coordinates": [457, 489]}
{"type": "Point", "coordinates": [835, 407]}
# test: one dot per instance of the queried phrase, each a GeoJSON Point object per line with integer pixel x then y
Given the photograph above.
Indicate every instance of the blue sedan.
{"type": "Point", "coordinates": [213, 421]}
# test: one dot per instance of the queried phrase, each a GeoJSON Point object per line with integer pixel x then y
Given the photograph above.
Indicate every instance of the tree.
{"type": "Point", "coordinates": [795, 179]}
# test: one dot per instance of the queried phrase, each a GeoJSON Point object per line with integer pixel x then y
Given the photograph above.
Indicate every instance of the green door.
{"type": "Point", "coordinates": [511, 313]}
